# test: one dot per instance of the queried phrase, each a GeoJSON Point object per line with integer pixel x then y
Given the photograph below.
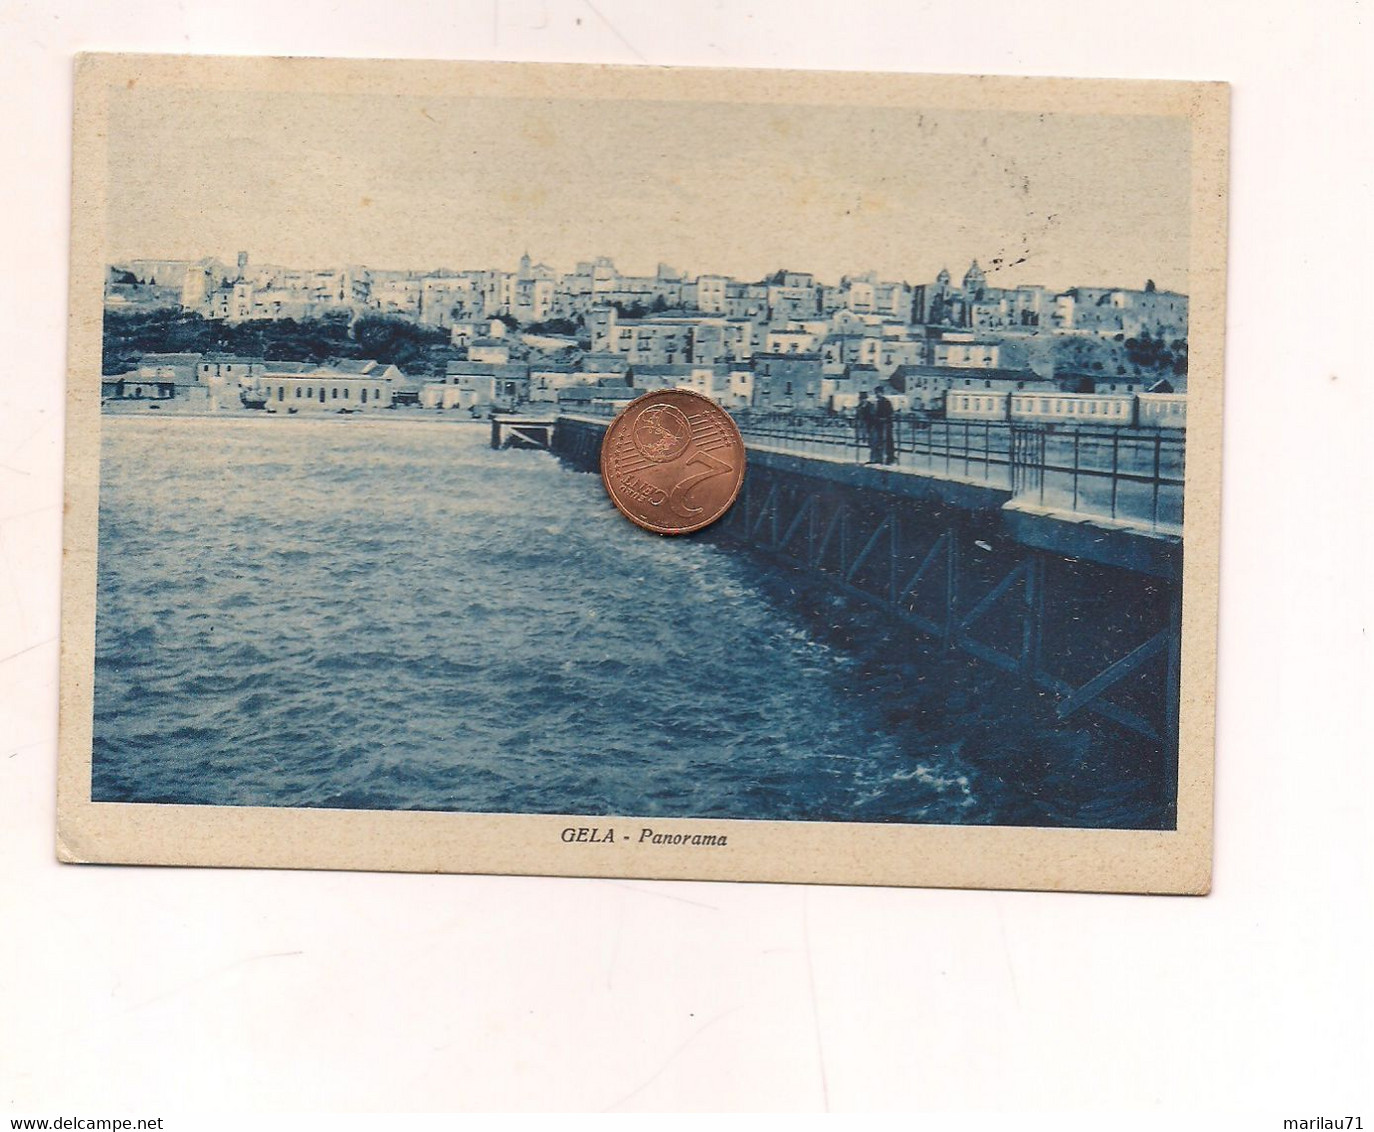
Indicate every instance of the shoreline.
{"type": "Point", "coordinates": [414, 415]}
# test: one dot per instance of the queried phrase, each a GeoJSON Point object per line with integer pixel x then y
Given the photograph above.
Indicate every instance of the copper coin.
{"type": "Point", "coordinates": [672, 461]}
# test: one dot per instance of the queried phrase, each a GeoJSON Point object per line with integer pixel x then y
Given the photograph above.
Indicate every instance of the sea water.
{"type": "Point", "coordinates": [385, 613]}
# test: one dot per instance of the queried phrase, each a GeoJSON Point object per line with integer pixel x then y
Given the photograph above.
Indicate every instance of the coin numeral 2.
{"type": "Point", "coordinates": [677, 499]}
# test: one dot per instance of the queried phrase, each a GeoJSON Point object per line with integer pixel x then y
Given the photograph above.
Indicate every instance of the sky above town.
{"type": "Point", "coordinates": [410, 182]}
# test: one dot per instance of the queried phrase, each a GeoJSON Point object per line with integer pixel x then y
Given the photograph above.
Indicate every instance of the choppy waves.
{"type": "Point", "coordinates": [372, 614]}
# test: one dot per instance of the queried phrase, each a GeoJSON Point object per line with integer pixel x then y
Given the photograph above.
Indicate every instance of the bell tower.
{"type": "Point", "coordinates": [974, 280]}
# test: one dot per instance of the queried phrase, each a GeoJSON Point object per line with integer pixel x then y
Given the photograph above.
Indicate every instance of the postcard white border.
{"type": "Point", "coordinates": [1177, 861]}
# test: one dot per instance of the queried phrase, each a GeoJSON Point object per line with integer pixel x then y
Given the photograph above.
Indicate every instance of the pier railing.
{"type": "Point", "coordinates": [1131, 476]}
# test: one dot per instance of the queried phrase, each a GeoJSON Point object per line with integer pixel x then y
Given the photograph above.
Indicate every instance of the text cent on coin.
{"type": "Point", "coordinates": [673, 461]}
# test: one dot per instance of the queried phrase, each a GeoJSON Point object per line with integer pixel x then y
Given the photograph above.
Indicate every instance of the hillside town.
{"type": "Point", "coordinates": [499, 340]}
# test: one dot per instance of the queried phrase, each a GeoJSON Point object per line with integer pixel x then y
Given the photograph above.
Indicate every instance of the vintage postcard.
{"type": "Point", "coordinates": [345, 589]}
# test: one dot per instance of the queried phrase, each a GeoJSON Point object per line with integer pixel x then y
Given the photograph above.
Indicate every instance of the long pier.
{"type": "Point", "coordinates": [960, 539]}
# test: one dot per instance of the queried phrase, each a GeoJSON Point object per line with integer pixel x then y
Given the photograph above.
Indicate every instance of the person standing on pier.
{"type": "Point", "coordinates": [863, 422]}
{"type": "Point", "coordinates": [884, 448]}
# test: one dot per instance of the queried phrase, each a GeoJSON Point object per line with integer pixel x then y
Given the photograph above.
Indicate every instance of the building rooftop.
{"type": "Point", "coordinates": [507, 370]}
{"type": "Point", "coordinates": [676, 369]}
{"type": "Point", "coordinates": [981, 373]}
{"type": "Point", "coordinates": [292, 367]}
{"type": "Point", "coordinates": [617, 392]}
{"type": "Point", "coordinates": [172, 359]}
{"type": "Point", "coordinates": [601, 362]}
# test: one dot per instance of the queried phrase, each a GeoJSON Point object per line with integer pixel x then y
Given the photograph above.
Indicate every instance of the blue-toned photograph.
{"type": "Point", "coordinates": [359, 359]}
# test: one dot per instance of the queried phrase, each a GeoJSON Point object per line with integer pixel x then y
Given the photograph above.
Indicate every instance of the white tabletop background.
{"type": "Point", "coordinates": [162, 990]}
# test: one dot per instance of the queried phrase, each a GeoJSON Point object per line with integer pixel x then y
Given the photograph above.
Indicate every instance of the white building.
{"type": "Point", "coordinates": [465, 391]}
{"type": "Point", "coordinates": [548, 379]}
{"type": "Point", "coordinates": [327, 389]}
{"type": "Point", "coordinates": [964, 350]}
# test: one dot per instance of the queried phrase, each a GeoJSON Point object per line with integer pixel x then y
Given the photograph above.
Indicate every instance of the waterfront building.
{"type": "Point", "coordinates": [153, 371]}
{"type": "Point", "coordinates": [182, 369]}
{"type": "Point", "coordinates": [477, 392]}
{"type": "Point", "coordinates": [439, 395]}
{"type": "Point", "coordinates": [548, 379]}
{"type": "Point", "coordinates": [607, 393]}
{"type": "Point", "coordinates": [225, 378]}
{"type": "Point", "coordinates": [241, 373]}
{"type": "Point", "coordinates": [509, 382]}
{"type": "Point", "coordinates": [327, 388]}
{"type": "Point", "coordinates": [135, 386]}
{"type": "Point", "coordinates": [927, 386]}
{"type": "Point", "coordinates": [358, 367]}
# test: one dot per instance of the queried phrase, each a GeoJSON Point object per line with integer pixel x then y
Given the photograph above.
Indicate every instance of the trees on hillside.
{"type": "Point", "coordinates": [128, 335]}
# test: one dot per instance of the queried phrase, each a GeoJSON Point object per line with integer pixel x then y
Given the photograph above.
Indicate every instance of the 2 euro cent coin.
{"type": "Point", "coordinates": [672, 461]}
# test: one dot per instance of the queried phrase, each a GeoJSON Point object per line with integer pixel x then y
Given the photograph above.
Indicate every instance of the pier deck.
{"type": "Point", "coordinates": [1084, 605]}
